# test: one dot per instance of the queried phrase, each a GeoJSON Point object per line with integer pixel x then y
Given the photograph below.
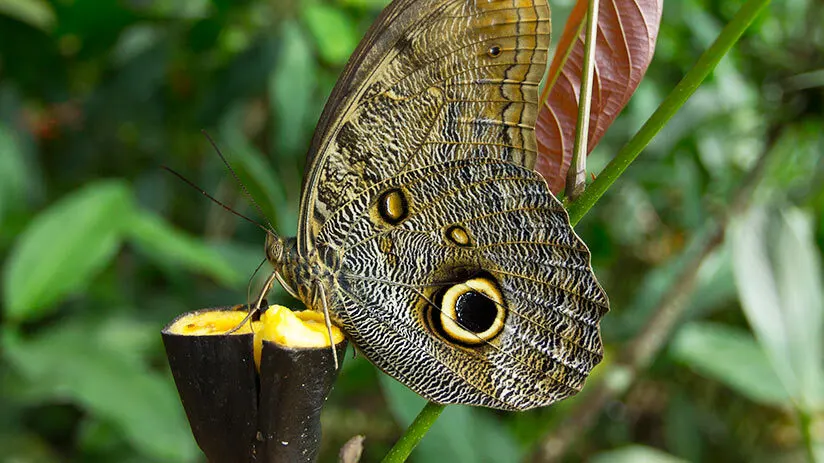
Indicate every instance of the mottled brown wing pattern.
{"type": "Point", "coordinates": [513, 232]}
{"type": "Point", "coordinates": [433, 80]}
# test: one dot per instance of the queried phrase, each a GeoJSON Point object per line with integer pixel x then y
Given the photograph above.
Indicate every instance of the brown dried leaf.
{"type": "Point", "coordinates": [627, 30]}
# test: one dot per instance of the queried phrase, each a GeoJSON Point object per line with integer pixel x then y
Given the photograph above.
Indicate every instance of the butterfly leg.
{"type": "Point", "coordinates": [286, 286]}
{"type": "Point", "coordinates": [266, 287]}
{"type": "Point", "coordinates": [328, 321]}
{"type": "Point", "coordinates": [252, 309]}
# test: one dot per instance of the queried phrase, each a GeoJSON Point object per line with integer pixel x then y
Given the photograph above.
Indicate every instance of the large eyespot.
{"type": "Point", "coordinates": [393, 206]}
{"type": "Point", "coordinates": [494, 51]}
{"type": "Point", "coordinates": [471, 313]}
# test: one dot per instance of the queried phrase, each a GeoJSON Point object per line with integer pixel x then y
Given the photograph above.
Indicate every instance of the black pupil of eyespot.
{"type": "Point", "coordinates": [475, 312]}
{"type": "Point", "coordinates": [494, 51]}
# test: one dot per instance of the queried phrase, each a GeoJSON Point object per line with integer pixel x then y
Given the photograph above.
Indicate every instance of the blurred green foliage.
{"type": "Point", "coordinates": [101, 247]}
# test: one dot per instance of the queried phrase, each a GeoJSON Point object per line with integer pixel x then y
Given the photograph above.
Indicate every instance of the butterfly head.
{"type": "Point", "coordinates": [275, 246]}
{"type": "Point", "coordinates": [292, 271]}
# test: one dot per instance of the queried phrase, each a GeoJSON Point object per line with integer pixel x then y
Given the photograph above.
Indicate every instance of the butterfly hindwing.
{"type": "Point", "coordinates": [480, 220]}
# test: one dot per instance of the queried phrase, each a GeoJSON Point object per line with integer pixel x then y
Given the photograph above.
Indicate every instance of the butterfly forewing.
{"type": "Point", "coordinates": [433, 80]}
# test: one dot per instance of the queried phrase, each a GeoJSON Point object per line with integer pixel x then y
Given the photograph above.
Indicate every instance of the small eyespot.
{"type": "Point", "coordinates": [393, 206]}
{"type": "Point", "coordinates": [494, 51]}
{"type": "Point", "coordinates": [458, 236]}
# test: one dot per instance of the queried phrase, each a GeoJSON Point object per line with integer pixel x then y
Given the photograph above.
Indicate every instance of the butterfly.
{"type": "Point", "coordinates": [423, 230]}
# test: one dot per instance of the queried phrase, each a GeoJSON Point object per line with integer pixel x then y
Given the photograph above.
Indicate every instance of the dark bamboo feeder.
{"type": "Point", "coordinates": [242, 412]}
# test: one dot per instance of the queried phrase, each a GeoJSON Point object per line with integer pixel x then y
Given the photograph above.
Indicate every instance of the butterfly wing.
{"type": "Point", "coordinates": [432, 81]}
{"type": "Point", "coordinates": [491, 232]}
{"type": "Point", "coordinates": [454, 269]}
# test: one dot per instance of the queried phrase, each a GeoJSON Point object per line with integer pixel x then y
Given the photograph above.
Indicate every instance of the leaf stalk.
{"type": "Point", "coordinates": [576, 175]}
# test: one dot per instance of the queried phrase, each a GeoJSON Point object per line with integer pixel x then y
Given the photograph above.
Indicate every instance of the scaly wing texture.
{"type": "Point", "coordinates": [432, 81]}
{"type": "Point", "coordinates": [386, 277]}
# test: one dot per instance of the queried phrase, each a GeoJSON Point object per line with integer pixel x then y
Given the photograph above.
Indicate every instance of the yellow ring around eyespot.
{"type": "Point", "coordinates": [449, 315]}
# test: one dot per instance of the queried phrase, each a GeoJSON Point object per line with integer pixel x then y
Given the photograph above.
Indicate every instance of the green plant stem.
{"type": "Point", "coordinates": [414, 433]}
{"type": "Point", "coordinates": [671, 104]}
{"type": "Point", "coordinates": [576, 175]}
{"type": "Point", "coordinates": [805, 422]}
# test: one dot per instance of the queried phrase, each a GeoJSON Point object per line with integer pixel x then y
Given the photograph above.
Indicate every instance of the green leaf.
{"type": "Point", "coordinates": [13, 171]}
{"type": "Point", "coordinates": [172, 247]}
{"type": "Point", "coordinates": [135, 41]}
{"type": "Point", "coordinates": [25, 447]}
{"type": "Point", "coordinates": [188, 10]}
{"type": "Point", "coordinates": [797, 154]}
{"type": "Point", "coordinates": [64, 247]}
{"type": "Point", "coordinates": [714, 285]}
{"type": "Point", "coordinates": [683, 432]}
{"type": "Point", "coordinates": [253, 170]}
{"type": "Point", "coordinates": [70, 364]}
{"type": "Point", "coordinates": [292, 85]}
{"type": "Point", "coordinates": [730, 356]}
{"type": "Point", "coordinates": [244, 259]}
{"type": "Point", "coordinates": [446, 440]}
{"type": "Point", "coordinates": [334, 33]}
{"type": "Point", "coordinates": [635, 454]}
{"type": "Point", "coordinates": [778, 276]}
{"type": "Point", "coordinates": [370, 4]}
{"type": "Point", "coordinates": [35, 13]}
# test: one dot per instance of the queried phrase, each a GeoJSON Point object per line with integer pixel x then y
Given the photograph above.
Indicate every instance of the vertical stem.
{"type": "Point", "coordinates": [805, 422]}
{"type": "Point", "coordinates": [576, 175]}
{"type": "Point", "coordinates": [414, 433]}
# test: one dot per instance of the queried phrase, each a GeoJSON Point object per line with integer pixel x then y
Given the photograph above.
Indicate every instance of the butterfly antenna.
{"type": "Point", "coordinates": [215, 200]}
{"type": "Point", "coordinates": [250, 309]}
{"type": "Point", "coordinates": [249, 284]}
{"type": "Point", "coordinates": [237, 179]}
{"type": "Point", "coordinates": [328, 321]}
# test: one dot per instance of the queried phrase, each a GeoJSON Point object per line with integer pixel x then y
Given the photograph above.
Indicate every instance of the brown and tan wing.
{"type": "Point", "coordinates": [433, 81]}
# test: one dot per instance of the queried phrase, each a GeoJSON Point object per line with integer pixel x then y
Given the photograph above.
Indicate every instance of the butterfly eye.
{"type": "Point", "coordinates": [393, 206]}
{"type": "Point", "coordinates": [494, 51]}
{"type": "Point", "coordinates": [472, 312]}
{"type": "Point", "coordinates": [274, 248]}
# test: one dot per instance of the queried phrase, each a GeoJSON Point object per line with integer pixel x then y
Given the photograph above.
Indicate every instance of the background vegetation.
{"type": "Point", "coordinates": [101, 248]}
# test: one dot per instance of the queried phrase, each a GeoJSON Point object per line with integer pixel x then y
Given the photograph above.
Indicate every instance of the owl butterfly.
{"type": "Point", "coordinates": [423, 229]}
